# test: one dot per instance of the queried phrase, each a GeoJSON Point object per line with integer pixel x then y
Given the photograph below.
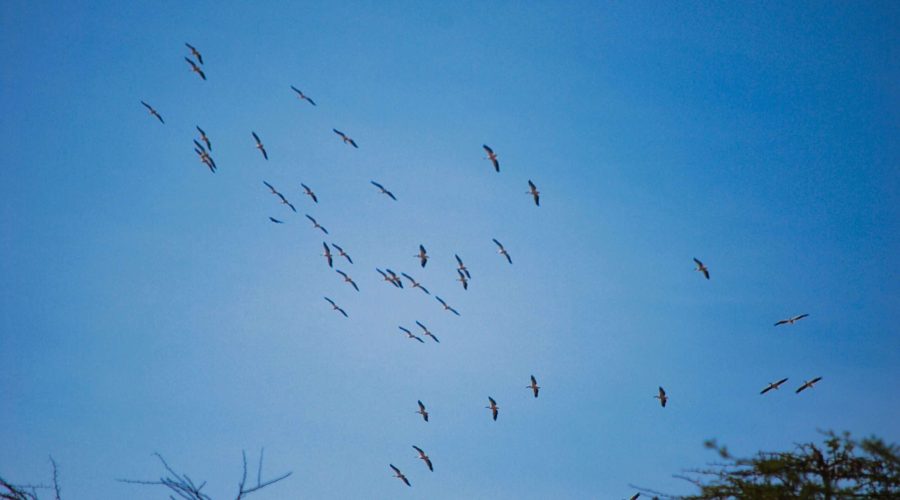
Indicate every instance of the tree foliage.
{"type": "Point", "coordinates": [840, 467]}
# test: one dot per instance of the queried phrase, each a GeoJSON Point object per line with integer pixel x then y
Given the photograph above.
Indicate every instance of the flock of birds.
{"type": "Point", "coordinates": [332, 252]}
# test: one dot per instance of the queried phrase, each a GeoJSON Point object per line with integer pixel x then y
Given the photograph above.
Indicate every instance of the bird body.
{"type": "Point", "coordinates": [533, 191]}
{"type": "Point", "coordinates": [415, 284]}
{"type": "Point", "coordinates": [399, 475]}
{"type": "Point", "coordinates": [701, 268]}
{"type": "Point", "coordinates": [153, 112]}
{"type": "Point", "coordinates": [807, 385]}
{"type": "Point", "coordinates": [773, 385]}
{"type": "Point", "coordinates": [384, 191]}
{"type": "Point", "coordinates": [427, 332]}
{"type": "Point", "coordinates": [348, 279]}
{"type": "Point", "coordinates": [446, 307]}
{"type": "Point", "coordinates": [327, 254]}
{"type": "Point", "coordinates": [422, 411]}
{"type": "Point", "coordinates": [662, 397]}
{"type": "Point", "coordinates": [491, 156]}
{"type": "Point", "coordinates": [493, 407]}
{"type": "Point", "coordinates": [791, 321]}
{"type": "Point", "coordinates": [502, 251]}
{"type": "Point", "coordinates": [410, 335]}
{"type": "Point", "coordinates": [316, 225]}
{"type": "Point", "coordinates": [195, 52]}
{"type": "Point", "coordinates": [195, 68]}
{"type": "Point", "coordinates": [303, 96]}
{"type": "Point", "coordinates": [422, 256]}
{"type": "Point", "coordinates": [424, 458]}
{"type": "Point", "coordinates": [336, 307]}
{"type": "Point", "coordinates": [534, 387]}
{"type": "Point", "coordinates": [345, 138]}
{"type": "Point", "coordinates": [462, 267]}
{"type": "Point", "coordinates": [308, 192]}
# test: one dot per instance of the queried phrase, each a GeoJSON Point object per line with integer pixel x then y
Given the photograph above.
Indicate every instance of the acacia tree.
{"type": "Point", "coordinates": [838, 468]}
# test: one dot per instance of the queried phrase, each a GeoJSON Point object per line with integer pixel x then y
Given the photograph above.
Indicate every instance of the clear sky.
{"type": "Point", "coordinates": [149, 305]}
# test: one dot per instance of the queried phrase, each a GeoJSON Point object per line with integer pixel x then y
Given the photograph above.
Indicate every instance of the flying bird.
{"type": "Point", "coordinates": [422, 256]}
{"type": "Point", "coordinates": [635, 496]}
{"type": "Point", "coordinates": [383, 190]}
{"type": "Point", "coordinates": [502, 251]}
{"type": "Point", "coordinates": [344, 138]}
{"type": "Point", "coordinates": [533, 191]}
{"type": "Point", "coordinates": [446, 307]}
{"type": "Point", "coordinates": [422, 411]}
{"type": "Point", "coordinates": [204, 138]}
{"type": "Point", "coordinates": [790, 321]}
{"type": "Point", "coordinates": [534, 387]}
{"type": "Point", "coordinates": [195, 52]}
{"type": "Point", "coordinates": [808, 385]}
{"type": "Point", "coordinates": [410, 334]}
{"type": "Point", "coordinates": [308, 192]}
{"type": "Point", "coordinates": [316, 225]}
{"type": "Point", "coordinates": [427, 333]}
{"type": "Point", "coordinates": [284, 201]}
{"type": "Point", "coordinates": [662, 397]}
{"type": "Point", "coordinates": [347, 279]}
{"type": "Point", "coordinates": [492, 156]}
{"type": "Point", "coordinates": [272, 188]}
{"type": "Point", "coordinates": [153, 112]}
{"type": "Point", "coordinates": [276, 221]}
{"type": "Point", "coordinates": [336, 307]}
{"type": "Point", "coordinates": [195, 68]}
{"type": "Point", "coordinates": [462, 267]}
{"type": "Point", "coordinates": [462, 279]}
{"type": "Point", "coordinates": [205, 157]}
{"type": "Point", "coordinates": [424, 457]}
{"type": "Point", "coordinates": [773, 385]}
{"type": "Point", "coordinates": [701, 268]}
{"type": "Point", "coordinates": [327, 253]}
{"type": "Point", "coordinates": [259, 145]}
{"type": "Point", "coordinates": [342, 253]}
{"type": "Point", "coordinates": [415, 284]}
{"type": "Point", "coordinates": [399, 475]}
{"type": "Point", "coordinates": [303, 96]}
{"type": "Point", "coordinates": [395, 280]}
{"type": "Point", "coordinates": [493, 407]}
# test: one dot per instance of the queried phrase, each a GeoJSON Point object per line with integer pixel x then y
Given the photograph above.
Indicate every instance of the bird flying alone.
{"type": "Point", "coordinates": [303, 96]}
{"type": "Point", "coordinates": [195, 68]}
{"type": "Point", "coordinates": [194, 52]}
{"type": "Point", "coordinates": [791, 321]}
{"type": "Point", "coordinates": [807, 385]}
{"type": "Point", "coordinates": [424, 457]}
{"type": "Point", "coordinates": [336, 307]}
{"type": "Point", "coordinates": [399, 475]}
{"type": "Point", "coordinates": [422, 411]}
{"type": "Point", "coordinates": [259, 146]}
{"type": "Point", "coordinates": [345, 138]}
{"type": "Point", "coordinates": [153, 112]}
{"type": "Point", "coordinates": [533, 191]}
{"type": "Point", "coordinates": [773, 385]}
{"type": "Point", "coordinates": [701, 267]}
{"type": "Point", "coordinates": [422, 256]}
{"type": "Point", "coordinates": [383, 190]}
{"type": "Point", "coordinates": [662, 397]}
{"type": "Point", "coordinates": [493, 407]}
{"type": "Point", "coordinates": [502, 251]}
{"type": "Point", "coordinates": [491, 156]}
{"type": "Point", "coordinates": [534, 387]}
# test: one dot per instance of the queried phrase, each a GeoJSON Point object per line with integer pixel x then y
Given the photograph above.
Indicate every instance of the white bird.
{"type": "Point", "coordinates": [195, 52]}
{"type": "Point", "coordinates": [410, 334]}
{"type": "Point", "coordinates": [808, 385]}
{"type": "Point", "coordinates": [347, 279]}
{"type": "Point", "coordinates": [336, 307]}
{"type": "Point", "coordinates": [533, 191]}
{"type": "Point", "coordinates": [701, 268]}
{"type": "Point", "coordinates": [446, 307]}
{"type": "Point", "coordinates": [259, 145]}
{"type": "Point", "coordinates": [204, 138]}
{"type": "Point", "coordinates": [308, 192]}
{"type": "Point", "coordinates": [427, 333]}
{"type": "Point", "coordinates": [492, 156]}
{"type": "Point", "coordinates": [399, 475]}
{"type": "Point", "coordinates": [424, 457]}
{"type": "Point", "coordinates": [415, 284]}
{"type": "Point", "coordinates": [462, 267]}
{"type": "Point", "coordinates": [342, 253]}
{"type": "Point", "coordinates": [502, 251]}
{"type": "Point", "coordinates": [383, 190]}
{"type": "Point", "coordinates": [422, 411]}
{"type": "Point", "coordinates": [534, 387]}
{"type": "Point", "coordinates": [493, 407]}
{"type": "Point", "coordinates": [662, 397]}
{"type": "Point", "coordinates": [302, 96]}
{"type": "Point", "coordinates": [773, 385]}
{"type": "Point", "coordinates": [316, 225]}
{"type": "Point", "coordinates": [327, 253]}
{"type": "Point", "coordinates": [790, 321]}
{"type": "Point", "coordinates": [153, 112]}
{"type": "Point", "coordinates": [462, 279]}
{"type": "Point", "coordinates": [345, 138]}
{"type": "Point", "coordinates": [422, 256]}
{"type": "Point", "coordinates": [195, 68]}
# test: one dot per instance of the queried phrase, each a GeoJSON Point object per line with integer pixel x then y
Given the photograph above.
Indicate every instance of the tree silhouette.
{"type": "Point", "coordinates": [9, 491]}
{"type": "Point", "coordinates": [838, 468]}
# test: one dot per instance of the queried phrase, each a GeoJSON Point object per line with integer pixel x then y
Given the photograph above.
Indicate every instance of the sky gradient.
{"type": "Point", "coordinates": [150, 306]}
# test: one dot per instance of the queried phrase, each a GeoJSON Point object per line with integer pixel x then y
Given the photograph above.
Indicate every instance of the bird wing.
{"type": "Point", "coordinates": [201, 73]}
{"type": "Point", "coordinates": [533, 380]}
{"type": "Point", "coordinates": [276, 221]}
{"type": "Point", "coordinates": [329, 300]}
{"type": "Point", "coordinates": [424, 289]}
{"type": "Point", "coordinates": [531, 185]}
{"type": "Point", "coordinates": [781, 382]}
{"type": "Point", "coordinates": [767, 389]}
{"type": "Point", "coordinates": [338, 132]}
{"type": "Point", "coordinates": [379, 186]}
{"type": "Point", "coordinates": [255, 137]}
{"type": "Point", "coordinates": [343, 312]}
{"type": "Point", "coordinates": [421, 326]}
{"type": "Point", "coordinates": [454, 311]}
{"type": "Point", "coordinates": [537, 199]}
{"type": "Point", "coordinates": [813, 381]}
{"type": "Point", "coordinates": [498, 243]}
{"type": "Point", "coordinates": [422, 453]}
{"type": "Point", "coordinates": [292, 208]}
{"type": "Point", "coordinates": [395, 469]}
{"type": "Point", "coordinates": [428, 462]}
{"type": "Point", "coordinates": [191, 63]}
{"type": "Point", "coordinates": [310, 218]}
{"type": "Point", "coordinates": [265, 155]}
{"type": "Point", "coordinates": [493, 403]}
{"type": "Point", "coordinates": [488, 149]}
{"type": "Point", "coordinates": [698, 262]}
{"type": "Point", "coordinates": [295, 90]}
{"type": "Point", "coordinates": [458, 259]}
{"type": "Point", "coordinates": [342, 273]}
{"type": "Point", "coordinates": [662, 393]}
{"type": "Point", "coordinates": [391, 195]}
{"type": "Point", "coordinates": [419, 339]}
{"type": "Point", "coordinates": [353, 143]}
{"type": "Point", "coordinates": [441, 300]}
{"type": "Point", "coordinates": [311, 101]}
{"type": "Point", "coordinates": [706, 273]}
{"type": "Point", "coordinates": [781, 322]}
{"type": "Point", "coordinates": [421, 406]}
{"type": "Point", "coordinates": [405, 330]}
{"type": "Point", "coordinates": [800, 317]}
{"type": "Point", "coordinates": [381, 272]}
{"type": "Point", "coordinates": [270, 187]}
{"type": "Point", "coordinates": [508, 258]}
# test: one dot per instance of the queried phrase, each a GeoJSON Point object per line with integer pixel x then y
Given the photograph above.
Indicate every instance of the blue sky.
{"type": "Point", "coordinates": [149, 305]}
